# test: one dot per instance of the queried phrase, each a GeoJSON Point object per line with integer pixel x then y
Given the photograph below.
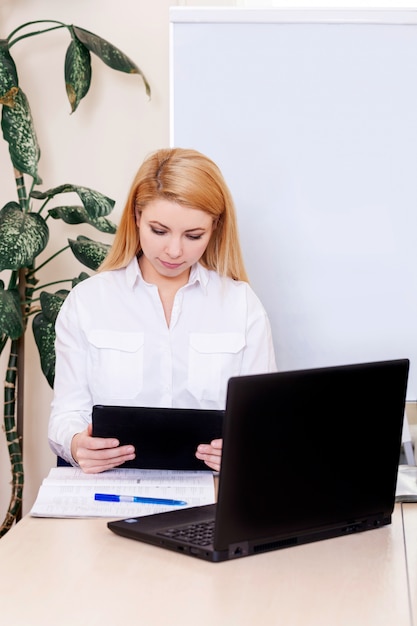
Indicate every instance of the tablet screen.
{"type": "Point", "coordinates": [164, 438]}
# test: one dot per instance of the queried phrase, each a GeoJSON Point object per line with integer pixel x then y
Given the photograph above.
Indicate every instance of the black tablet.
{"type": "Point", "coordinates": [164, 438]}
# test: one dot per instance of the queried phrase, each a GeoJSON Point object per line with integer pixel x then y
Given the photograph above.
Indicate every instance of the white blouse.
{"type": "Point", "coordinates": [113, 346]}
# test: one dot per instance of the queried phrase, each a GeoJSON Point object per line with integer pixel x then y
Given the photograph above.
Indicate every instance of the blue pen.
{"type": "Point", "coordinates": [110, 497]}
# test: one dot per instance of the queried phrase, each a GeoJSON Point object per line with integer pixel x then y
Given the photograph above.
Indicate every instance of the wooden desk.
{"type": "Point", "coordinates": [76, 571]}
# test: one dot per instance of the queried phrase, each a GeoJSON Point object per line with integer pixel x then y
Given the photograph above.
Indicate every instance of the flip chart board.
{"type": "Point", "coordinates": [312, 117]}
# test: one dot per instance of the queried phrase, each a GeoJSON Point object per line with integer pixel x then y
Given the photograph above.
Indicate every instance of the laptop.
{"type": "Point", "coordinates": [164, 438]}
{"type": "Point", "coordinates": [307, 455]}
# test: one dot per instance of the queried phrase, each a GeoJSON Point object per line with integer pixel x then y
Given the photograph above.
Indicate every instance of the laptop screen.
{"type": "Point", "coordinates": [310, 448]}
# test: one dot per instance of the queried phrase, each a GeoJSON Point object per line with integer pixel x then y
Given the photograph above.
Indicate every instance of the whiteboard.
{"type": "Point", "coordinates": [312, 117]}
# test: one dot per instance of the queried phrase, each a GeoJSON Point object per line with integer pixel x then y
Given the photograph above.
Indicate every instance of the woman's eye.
{"type": "Point", "coordinates": [157, 231]}
{"type": "Point", "coordinates": [194, 237]}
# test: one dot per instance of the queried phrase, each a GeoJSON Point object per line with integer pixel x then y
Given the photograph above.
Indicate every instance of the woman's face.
{"type": "Point", "coordinates": [172, 238]}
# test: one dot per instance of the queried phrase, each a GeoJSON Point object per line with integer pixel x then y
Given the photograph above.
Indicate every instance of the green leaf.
{"type": "Point", "coordinates": [19, 132]}
{"type": "Point", "coordinates": [82, 276]}
{"type": "Point", "coordinates": [77, 72]}
{"type": "Point", "coordinates": [8, 73]}
{"type": "Point", "coordinates": [43, 326]}
{"type": "Point", "coordinates": [44, 333]}
{"type": "Point", "coordinates": [51, 303]}
{"type": "Point", "coordinates": [95, 203]}
{"type": "Point", "coordinates": [109, 54]}
{"type": "Point", "coordinates": [11, 320]}
{"type": "Point", "coordinates": [22, 237]}
{"type": "Point", "coordinates": [90, 253]}
{"type": "Point", "coordinates": [78, 215]}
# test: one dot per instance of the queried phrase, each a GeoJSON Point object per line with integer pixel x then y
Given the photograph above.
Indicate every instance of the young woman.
{"type": "Point", "coordinates": [167, 320]}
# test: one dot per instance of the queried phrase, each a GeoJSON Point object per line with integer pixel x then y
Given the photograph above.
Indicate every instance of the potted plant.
{"type": "Point", "coordinates": [25, 226]}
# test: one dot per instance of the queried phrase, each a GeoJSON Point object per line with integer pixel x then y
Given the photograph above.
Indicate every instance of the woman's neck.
{"type": "Point", "coordinates": [167, 285]}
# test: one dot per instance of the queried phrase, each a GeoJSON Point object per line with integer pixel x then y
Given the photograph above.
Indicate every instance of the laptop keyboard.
{"type": "Point", "coordinates": [200, 534]}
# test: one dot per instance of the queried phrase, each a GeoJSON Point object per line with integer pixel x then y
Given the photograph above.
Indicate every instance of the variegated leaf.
{"type": "Point", "coordinates": [8, 72]}
{"type": "Point", "coordinates": [109, 54]}
{"type": "Point", "coordinates": [22, 237]}
{"type": "Point", "coordinates": [11, 320]}
{"type": "Point", "coordinates": [90, 253]}
{"type": "Point", "coordinates": [52, 302]}
{"type": "Point", "coordinates": [77, 72]}
{"type": "Point", "coordinates": [43, 327]}
{"type": "Point", "coordinates": [78, 215]}
{"type": "Point", "coordinates": [44, 333]}
{"type": "Point", "coordinates": [82, 276]}
{"type": "Point", "coordinates": [95, 203]}
{"type": "Point", "coordinates": [19, 132]}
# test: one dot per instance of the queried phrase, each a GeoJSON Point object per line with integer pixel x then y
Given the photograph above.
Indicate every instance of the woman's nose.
{"type": "Point", "coordinates": [174, 248]}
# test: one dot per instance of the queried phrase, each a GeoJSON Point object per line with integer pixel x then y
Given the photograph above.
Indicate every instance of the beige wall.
{"type": "Point", "coordinates": [100, 146]}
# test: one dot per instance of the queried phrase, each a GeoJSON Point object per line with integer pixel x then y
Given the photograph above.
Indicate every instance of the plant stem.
{"type": "Point", "coordinates": [38, 32]}
{"type": "Point", "coordinates": [31, 272]}
{"type": "Point", "coordinates": [56, 282]}
{"type": "Point", "coordinates": [13, 442]}
{"type": "Point", "coordinates": [21, 191]}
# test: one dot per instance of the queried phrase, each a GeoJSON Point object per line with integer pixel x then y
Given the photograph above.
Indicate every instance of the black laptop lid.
{"type": "Point", "coordinates": [310, 450]}
{"type": "Point", "coordinates": [164, 438]}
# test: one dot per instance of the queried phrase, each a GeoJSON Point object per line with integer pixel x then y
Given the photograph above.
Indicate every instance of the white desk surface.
{"type": "Point", "coordinates": [76, 571]}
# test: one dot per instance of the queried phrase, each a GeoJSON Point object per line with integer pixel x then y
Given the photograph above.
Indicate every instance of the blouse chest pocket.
{"type": "Point", "coordinates": [115, 364]}
{"type": "Point", "coordinates": [213, 359]}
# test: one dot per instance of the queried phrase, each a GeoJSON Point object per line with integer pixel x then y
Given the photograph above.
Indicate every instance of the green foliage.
{"type": "Point", "coordinates": [23, 236]}
{"type": "Point", "coordinates": [43, 330]}
{"type": "Point", "coordinates": [24, 223]}
{"type": "Point", "coordinates": [24, 229]}
{"type": "Point", "coordinates": [11, 322]}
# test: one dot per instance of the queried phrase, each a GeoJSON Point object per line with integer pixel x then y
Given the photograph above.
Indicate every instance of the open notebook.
{"type": "Point", "coordinates": [307, 455]}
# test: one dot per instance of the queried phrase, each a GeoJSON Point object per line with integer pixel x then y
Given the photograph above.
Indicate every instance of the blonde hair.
{"type": "Point", "coordinates": [192, 180]}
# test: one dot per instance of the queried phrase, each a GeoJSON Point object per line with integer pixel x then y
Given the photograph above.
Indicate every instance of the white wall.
{"type": "Point", "coordinates": [101, 146]}
{"type": "Point", "coordinates": [337, 103]}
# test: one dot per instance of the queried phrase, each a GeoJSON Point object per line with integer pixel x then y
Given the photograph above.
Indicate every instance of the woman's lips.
{"type": "Point", "coordinates": [171, 266]}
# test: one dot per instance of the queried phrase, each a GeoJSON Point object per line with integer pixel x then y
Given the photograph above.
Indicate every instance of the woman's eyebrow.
{"type": "Point", "coordinates": [156, 223]}
{"type": "Point", "coordinates": [188, 230]}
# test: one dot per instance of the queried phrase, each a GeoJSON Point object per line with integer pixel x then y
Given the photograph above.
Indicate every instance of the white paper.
{"type": "Point", "coordinates": [406, 490]}
{"type": "Point", "coordinates": [69, 492]}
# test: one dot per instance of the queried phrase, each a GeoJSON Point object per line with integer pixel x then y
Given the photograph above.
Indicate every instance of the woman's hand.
{"type": "Point", "coordinates": [97, 454]}
{"type": "Point", "coordinates": [211, 453]}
